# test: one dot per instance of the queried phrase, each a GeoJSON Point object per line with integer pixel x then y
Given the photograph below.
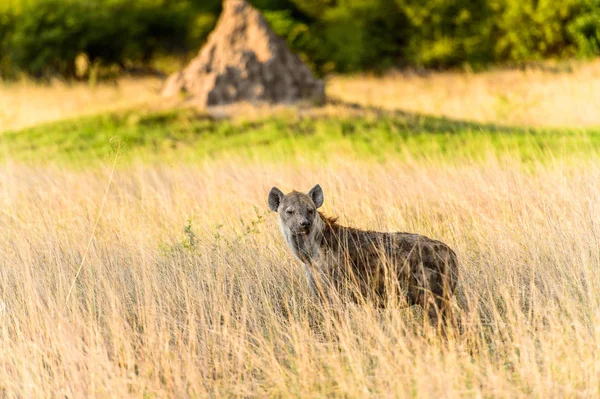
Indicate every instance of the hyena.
{"type": "Point", "coordinates": [354, 264]}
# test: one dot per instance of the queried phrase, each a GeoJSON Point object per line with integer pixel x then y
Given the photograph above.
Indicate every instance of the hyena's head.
{"type": "Point", "coordinates": [297, 211]}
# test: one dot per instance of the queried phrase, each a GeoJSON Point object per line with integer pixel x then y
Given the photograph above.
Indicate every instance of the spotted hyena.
{"type": "Point", "coordinates": [355, 264]}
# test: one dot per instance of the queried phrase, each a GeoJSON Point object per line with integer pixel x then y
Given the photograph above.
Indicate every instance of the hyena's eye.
{"type": "Point", "coordinates": [311, 211]}
{"type": "Point", "coordinates": [289, 211]}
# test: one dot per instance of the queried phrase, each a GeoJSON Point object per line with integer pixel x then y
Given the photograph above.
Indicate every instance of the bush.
{"type": "Point", "coordinates": [536, 29]}
{"type": "Point", "coordinates": [44, 37]}
{"type": "Point", "coordinates": [364, 35]}
{"type": "Point", "coordinates": [47, 36]}
{"type": "Point", "coordinates": [444, 33]}
{"type": "Point", "coordinates": [6, 29]}
{"type": "Point", "coordinates": [298, 35]}
{"type": "Point", "coordinates": [584, 30]}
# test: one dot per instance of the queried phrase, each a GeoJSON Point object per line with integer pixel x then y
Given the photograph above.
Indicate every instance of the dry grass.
{"type": "Point", "coordinates": [532, 97]}
{"type": "Point", "coordinates": [221, 309]}
{"type": "Point", "coordinates": [25, 104]}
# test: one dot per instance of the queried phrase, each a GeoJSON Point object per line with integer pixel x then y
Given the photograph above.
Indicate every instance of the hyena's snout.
{"type": "Point", "coordinates": [305, 223]}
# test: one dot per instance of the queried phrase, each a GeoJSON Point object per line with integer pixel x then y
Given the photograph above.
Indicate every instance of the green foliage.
{"type": "Point", "coordinates": [191, 239]}
{"type": "Point", "coordinates": [44, 37]}
{"type": "Point", "coordinates": [299, 36]}
{"type": "Point", "coordinates": [444, 33]}
{"type": "Point", "coordinates": [363, 34]}
{"type": "Point", "coordinates": [6, 29]}
{"type": "Point", "coordinates": [314, 8]}
{"type": "Point", "coordinates": [535, 29]}
{"type": "Point", "coordinates": [584, 29]}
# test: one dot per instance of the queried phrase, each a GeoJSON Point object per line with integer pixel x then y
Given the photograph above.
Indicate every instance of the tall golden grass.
{"type": "Point", "coordinates": [26, 103]}
{"type": "Point", "coordinates": [188, 289]}
{"type": "Point", "coordinates": [564, 95]}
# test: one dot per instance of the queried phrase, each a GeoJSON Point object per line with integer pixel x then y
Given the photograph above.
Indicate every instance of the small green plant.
{"type": "Point", "coordinates": [250, 228]}
{"type": "Point", "coordinates": [190, 240]}
{"type": "Point", "coordinates": [189, 243]}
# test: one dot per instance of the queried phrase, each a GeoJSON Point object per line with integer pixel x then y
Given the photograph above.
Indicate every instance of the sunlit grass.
{"type": "Point", "coordinates": [550, 95]}
{"type": "Point", "coordinates": [547, 95]}
{"type": "Point", "coordinates": [189, 289]}
{"type": "Point", "coordinates": [26, 103]}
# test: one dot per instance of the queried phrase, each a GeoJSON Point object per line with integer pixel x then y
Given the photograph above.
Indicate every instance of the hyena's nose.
{"type": "Point", "coordinates": [305, 223]}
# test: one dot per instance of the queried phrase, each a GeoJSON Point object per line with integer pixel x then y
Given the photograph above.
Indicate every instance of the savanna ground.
{"type": "Point", "coordinates": [139, 259]}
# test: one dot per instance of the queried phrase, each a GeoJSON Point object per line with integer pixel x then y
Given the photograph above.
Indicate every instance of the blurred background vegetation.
{"type": "Point", "coordinates": [79, 38]}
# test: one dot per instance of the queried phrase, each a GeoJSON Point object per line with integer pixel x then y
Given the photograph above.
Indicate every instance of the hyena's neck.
{"type": "Point", "coordinates": [333, 236]}
{"type": "Point", "coordinates": [305, 247]}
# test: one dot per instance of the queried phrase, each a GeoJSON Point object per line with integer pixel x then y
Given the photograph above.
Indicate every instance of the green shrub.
{"type": "Point", "coordinates": [44, 37]}
{"type": "Point", "coordinates": [299, 36]}
{"type": "Point", "coordinates": [364, 34]}
{"type": "Point", "coordinates": [48, 35]}
{"type": "Point", "coordinates": [444, 33]}
{"type": "Point", "coordinates": [535, 29]}
{"type": "Point", "coordinates": [585, 29]}
{"type": "Point", "coordinates": [6, 29]}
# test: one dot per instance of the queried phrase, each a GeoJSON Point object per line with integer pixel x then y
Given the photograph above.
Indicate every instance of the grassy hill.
{"type": "Point", "coordinates": [187, 135]}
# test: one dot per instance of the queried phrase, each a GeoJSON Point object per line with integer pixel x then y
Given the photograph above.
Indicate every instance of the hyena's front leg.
{"type": "Point", "coordinates": [321, 286]}
{"type": "Point", "coordinates": [310, 279]}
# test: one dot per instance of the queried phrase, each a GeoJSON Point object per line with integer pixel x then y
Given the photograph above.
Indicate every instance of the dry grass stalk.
{"type": "Point", "coordinates": [219, 308]}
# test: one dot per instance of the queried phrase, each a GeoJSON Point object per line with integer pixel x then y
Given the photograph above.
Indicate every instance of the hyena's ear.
{"type": "Point", "coordinates": [316, 195]}
{"type": "Point", "coordinates": [275, 197]}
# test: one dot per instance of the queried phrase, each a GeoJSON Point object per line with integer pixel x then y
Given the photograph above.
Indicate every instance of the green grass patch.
{"type": "Point", "coordinates": [187, 136]}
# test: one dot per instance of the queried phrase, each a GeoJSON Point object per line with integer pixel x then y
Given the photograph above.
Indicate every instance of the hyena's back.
{"type": "Point", "coordinates": [426, 270]}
